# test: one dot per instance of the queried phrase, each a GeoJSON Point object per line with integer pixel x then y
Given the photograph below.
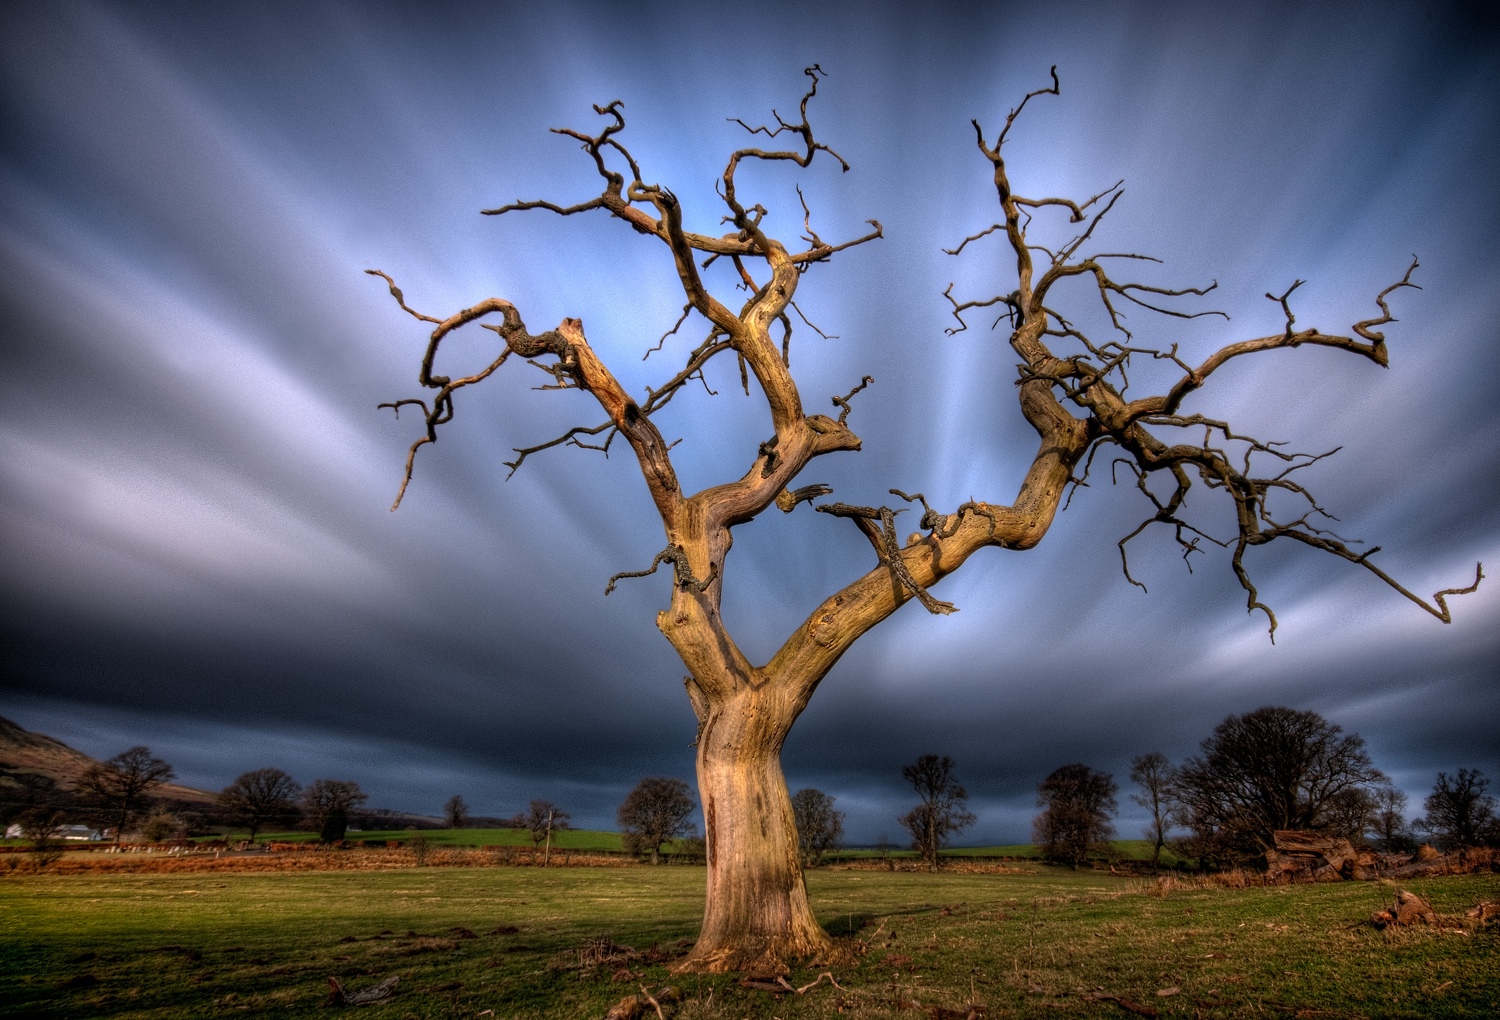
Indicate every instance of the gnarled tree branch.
{"type": "Point", "coordinates": [1085, 381]}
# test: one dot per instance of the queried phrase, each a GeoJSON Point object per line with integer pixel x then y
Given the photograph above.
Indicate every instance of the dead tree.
{"type": "Point", "coordinates": [942, 810]}
{"type": "Point", "coordinates": [1155, 777]}
{"type": "Point", "coordinates": [122, 783]}
{"type": "Point", "coordinates": [756, 916]}
{"type": "Point", "coordinates": [655, 811]}
{"type": "Point", "coordinates": [1077, 804]}
{"type": "Point", "coordinates": [259, 796]}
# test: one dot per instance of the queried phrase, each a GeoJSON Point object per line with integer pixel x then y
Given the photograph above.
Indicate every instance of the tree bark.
{"type": "Point", "coordinates": [756, 917]}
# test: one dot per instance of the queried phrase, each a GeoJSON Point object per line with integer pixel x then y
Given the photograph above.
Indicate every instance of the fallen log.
{"type": "Point", "coordinates": [1408, 909]}
{"type": "Point", "coordinates": [1484, 914]}
{"type": "Point", "coordinates": [1128, 1005]}
{"type": "Point", "coordinates": [633, 1007]}
{"type": "Point", "coordinates": [338, 996]}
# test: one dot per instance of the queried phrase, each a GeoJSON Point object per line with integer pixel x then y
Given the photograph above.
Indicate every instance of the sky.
{"type": "Point", "coordinates": [195, 479]}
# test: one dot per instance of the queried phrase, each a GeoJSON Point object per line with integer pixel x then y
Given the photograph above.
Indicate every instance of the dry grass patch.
{"type": "Point", "coordinates": [548, 945]}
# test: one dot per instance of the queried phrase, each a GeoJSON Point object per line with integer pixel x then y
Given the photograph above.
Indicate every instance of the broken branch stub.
{"type": "Point", "coordinates": [339, 996]}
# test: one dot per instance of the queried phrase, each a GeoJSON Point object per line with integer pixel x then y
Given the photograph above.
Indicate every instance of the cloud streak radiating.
{"type": "Point", "coordinates": [194, 479]}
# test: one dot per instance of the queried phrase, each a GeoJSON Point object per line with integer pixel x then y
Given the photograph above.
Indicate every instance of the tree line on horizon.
{"type": "Point", "coordinates": [1269, 770]}
{"type": "Point", "coordinates": [119, 793]}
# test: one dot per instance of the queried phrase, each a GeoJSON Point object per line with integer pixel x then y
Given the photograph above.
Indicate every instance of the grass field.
{"type": "Point", "coordinates": [562, 839]}
{"type": "Point", "coordinates": [589, 839]}
{"type": "Point", "coordinates": [1026, 944]}
{"type": "Point", "coordinates": [1124, 849]}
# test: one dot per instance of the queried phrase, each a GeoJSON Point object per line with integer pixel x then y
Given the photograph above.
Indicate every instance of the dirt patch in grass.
{"type": "Point", "coordinates": [415, 946]}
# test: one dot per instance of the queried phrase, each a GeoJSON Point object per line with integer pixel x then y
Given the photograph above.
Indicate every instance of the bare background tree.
{"type": "Point", "coordinates": [327, 804]}
{"type": "Point", "coordinates": [1388, 825]}
{"type": "Point", "coordinates": [542, 818]}
{"type": "Point", "coordinates": [1077, 804]}
{"type": "Point", "coordinates": [39, 828]}
{"type": "Point", "coordinates": [1274, 768]}
{"type": "Point", "coordinates": [455, 812]}
{"type": "Point", "coordinates": [656, 811]}
{"type": "Point", "coordinates": [819, 827]}
{"type": "Point", "coordinates": [261, 796]}
{"type": "Point", "coordinates": [942, 809]}
{"type": "Point", "coordinates": [1155, 776]}
{"type": "Point", "coordinates": [122, 783]}
{"type": "Point", "coordinates": [1352, 812]}
{"type": "Point", "coordinates": [1459, 812]}
{"type": "Point", "coordinates": [28, 796]}
{"type": "Point", "coordinates": [162, 824]}
{"type": "Point", "coordinates": [756, 914]}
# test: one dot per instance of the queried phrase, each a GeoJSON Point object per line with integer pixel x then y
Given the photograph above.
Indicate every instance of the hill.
{"type": "Point", "coordinates": [26, 754]}
{"type": "Point", "coordinates": [34, 766]}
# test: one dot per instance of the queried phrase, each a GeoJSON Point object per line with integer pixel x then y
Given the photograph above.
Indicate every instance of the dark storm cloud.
{"type": "Point", "coordinates": [194, 481]}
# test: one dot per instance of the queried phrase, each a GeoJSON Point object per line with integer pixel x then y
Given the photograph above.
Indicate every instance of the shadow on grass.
{"type": "Point", "coordinates": [850, 924]}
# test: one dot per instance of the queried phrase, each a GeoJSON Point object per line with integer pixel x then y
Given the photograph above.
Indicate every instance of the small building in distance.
{"type": "Point", "coordinates": [76, 833]}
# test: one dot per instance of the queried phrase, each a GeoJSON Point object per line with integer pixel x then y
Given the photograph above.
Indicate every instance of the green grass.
{"type": "Point", "coordinates": [1026, 850]}
{"type": "Point", "coordinates": [1125, 849]}
{"type": "Point", "coordinates": [589, 839]}
{"type": "Point", "coordinates": [1028, 944]}
{"type": "Point", "coordinates": [562, 839]}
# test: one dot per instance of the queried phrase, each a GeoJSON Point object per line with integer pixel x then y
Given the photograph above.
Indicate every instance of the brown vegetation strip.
{"type": "Point", "coordinates": [303, 860]}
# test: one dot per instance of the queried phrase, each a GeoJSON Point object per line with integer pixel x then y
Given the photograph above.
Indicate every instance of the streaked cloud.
{"type": "Point", "coordinates": [194, 479]}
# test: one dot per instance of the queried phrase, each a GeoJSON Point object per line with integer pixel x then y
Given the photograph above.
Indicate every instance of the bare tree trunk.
{"type": "Point", "coordinates": [756, 917]}
{"type": "Point", "coordinates": [547, 854]}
